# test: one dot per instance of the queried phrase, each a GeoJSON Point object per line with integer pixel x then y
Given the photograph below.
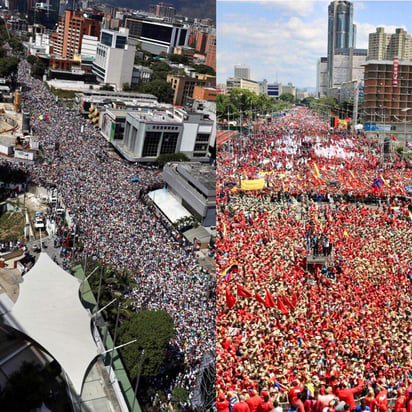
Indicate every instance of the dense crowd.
{"type": "Point", "coordinates": [106, 198]}
{"type": "Point", "coordinates": [314, 294]}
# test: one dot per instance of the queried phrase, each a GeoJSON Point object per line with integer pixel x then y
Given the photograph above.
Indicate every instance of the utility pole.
{"type": "Point", "coordinates": [138, 378]}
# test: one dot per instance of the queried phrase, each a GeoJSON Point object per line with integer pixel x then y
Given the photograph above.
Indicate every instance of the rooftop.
{"type": "Point", "coordinates": [205, 174]}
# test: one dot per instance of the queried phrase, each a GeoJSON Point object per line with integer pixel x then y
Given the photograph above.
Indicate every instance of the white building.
{"type": "Point", "coordinates": [149, 134]}
{"type": "Point", "coordinates": [348, 65]}
{"type": "Point", "coordinates": [39, 45]}
{"type": "Point", "coordinates": [322, 77]}
{"type": "Point", "coordinates": [89, 46]}
{"type": "Point", "coordinates": [114, 58]}
{"type": "Point", "coordinates": [245, 84]}
{"type": "Point", "coordinates": [242, 71]}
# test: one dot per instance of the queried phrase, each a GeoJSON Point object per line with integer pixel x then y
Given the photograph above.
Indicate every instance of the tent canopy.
{"type": "Point", "coordinates": [48, 310]}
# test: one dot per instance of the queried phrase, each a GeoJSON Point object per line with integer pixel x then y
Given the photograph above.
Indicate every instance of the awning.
{"type": "Point", "coordinates": [48, 310]}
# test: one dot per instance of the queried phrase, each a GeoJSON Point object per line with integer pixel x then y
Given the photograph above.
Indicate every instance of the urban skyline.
{"type": "Point", "coordinates": [296, 32]}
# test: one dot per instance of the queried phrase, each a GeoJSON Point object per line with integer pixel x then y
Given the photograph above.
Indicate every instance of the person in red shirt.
{"type": "Point", "coordinates": [400, 404]}
{"type": "Point", "coordinates": [409, 402]}
{"type": "Point", "coordinates": [294, 392]}
{"type": "Point", "coordinates": [254, 401]}
{"type": "Point", "coordinates": [381, 401]}
{"type": "Point", "coordinates": [222, 404]}
{"type": "Point", "coordinates": [241, 406]}
{"type": "Point", "coordinates": [347, 394]}
{"type": "Point", "coordinates": [266, 405]}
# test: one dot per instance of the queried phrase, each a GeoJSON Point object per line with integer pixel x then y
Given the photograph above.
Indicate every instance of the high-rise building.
{"type": "Point", "coordinates": [164, 10]}
{"type": "Point", "coordinates": [387, 105]}
{"type": "Point", "coordinates": [386, 46]}
{"type": "Point", "coordinates": [242, 71]}
{"type": "Point", "coordinates": [67, 40]}
{"type": "Point", "coordinates": [211, 51]}
{"type": "Point", "coordinates": [341, 31]}
{"type": "Point", "coordinates": [156, 36]}
{"type": "Point", "coordinates": [322, 77]}
{"type": "Point", "coordinates": [114, 57]}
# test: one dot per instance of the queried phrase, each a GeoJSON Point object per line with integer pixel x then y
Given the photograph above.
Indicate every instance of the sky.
{"type": "Point", "coordinates": [282, 40]}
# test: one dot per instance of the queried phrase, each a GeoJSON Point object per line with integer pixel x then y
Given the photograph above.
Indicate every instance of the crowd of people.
{"type": "Point", "coordinates": [106, 199]}
{"type": "Point", "coordinates": [301, 334]}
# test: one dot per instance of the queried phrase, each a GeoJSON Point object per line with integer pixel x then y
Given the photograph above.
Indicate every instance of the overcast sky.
{"type": "Point", "coordinates": [283, 40]}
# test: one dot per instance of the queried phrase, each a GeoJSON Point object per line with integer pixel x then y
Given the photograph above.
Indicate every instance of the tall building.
{"type": "Point", "coordinates": [322, 77]}
{"type": "Point", "coordinates": [164, 10]}
{"type": "Point", "coordinates": [341, 31]}
{"type": "Point", "coordinates": [67, 40]}
{"type": "Point", "coordinates": [114, 57]}
{"type": "Point", "coordinates": [348, 65]}
{"type": "Point", "coordinates": [387, 105]}
{"type": "Point", "coordinates": [211, 51]}
{"type": "Point", "coordinates": [386, 46]}
{"type": "Point", "coordinates": [157, 37]}
{"type": "Point", "coordinates": [242, 71]}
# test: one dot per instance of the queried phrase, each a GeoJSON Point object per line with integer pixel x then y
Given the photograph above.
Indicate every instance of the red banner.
{"type": "Point", "coordinates": [395, 74]}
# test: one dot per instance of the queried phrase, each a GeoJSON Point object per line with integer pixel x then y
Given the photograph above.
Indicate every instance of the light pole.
{"type": "Point", "coordinates": [405, 110]}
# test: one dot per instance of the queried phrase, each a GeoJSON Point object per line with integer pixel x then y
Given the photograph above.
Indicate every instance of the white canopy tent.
{"type": "Point", "coordinates": [169, 205]}
{"type": "Point", "coordinates": [48, 310]}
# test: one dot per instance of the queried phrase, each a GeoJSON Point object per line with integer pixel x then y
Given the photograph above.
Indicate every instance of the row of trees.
{"type": "Point", "coordinates": [245, 102]}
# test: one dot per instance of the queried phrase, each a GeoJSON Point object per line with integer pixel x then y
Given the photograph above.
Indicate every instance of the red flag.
{"type": "Point", "coordinates": [287, 302]}
{"type": "Point", "coordinates": [282, 307]}
{"type": "Point", "coordinates": [259, 299]}
{"type": "Point", "coordinates": [242, 291]}
{"type": "Point", "coordinates": [294, 299]}
{"type": "Point", "coordinates": [269, 302]}
{"type": "Point", "coordinates": [230, 299]}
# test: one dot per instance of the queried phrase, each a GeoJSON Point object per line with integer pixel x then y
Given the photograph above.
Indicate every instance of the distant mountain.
{"type": "Point", "coordinates": [202, 9]}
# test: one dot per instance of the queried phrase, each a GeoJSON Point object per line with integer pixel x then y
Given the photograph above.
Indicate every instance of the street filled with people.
{"type": "Point", "coordinates": [314, 266]}
{"type": "Point", "coordinates": [107, 200]}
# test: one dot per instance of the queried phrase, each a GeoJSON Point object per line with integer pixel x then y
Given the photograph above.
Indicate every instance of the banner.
{"type": "Point", "coordinates": [395, 73]}
{"type": "Point", "coordinates": [257, 184]}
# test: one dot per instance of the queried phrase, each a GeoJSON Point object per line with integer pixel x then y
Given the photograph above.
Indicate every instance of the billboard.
{"type": "Point", "coordinates": [373, 127]}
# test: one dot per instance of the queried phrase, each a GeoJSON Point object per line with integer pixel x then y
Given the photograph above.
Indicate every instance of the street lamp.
{"type": "Point", "coordinates": [405, 110]}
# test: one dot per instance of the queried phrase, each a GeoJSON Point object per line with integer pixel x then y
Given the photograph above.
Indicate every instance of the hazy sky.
{"type": "Point", "coordinates": [282, 40]}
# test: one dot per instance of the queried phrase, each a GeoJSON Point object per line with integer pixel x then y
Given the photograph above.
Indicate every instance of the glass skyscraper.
{"type": "Point", "coordinates": [341, 30]}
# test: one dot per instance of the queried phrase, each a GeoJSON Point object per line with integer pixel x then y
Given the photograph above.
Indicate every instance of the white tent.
{"type": "Point", "coordinates": [168, 205]}
{"type": "Point", "coordinates": [49, 311]}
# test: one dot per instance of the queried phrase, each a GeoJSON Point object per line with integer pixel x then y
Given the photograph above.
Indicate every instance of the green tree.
{"type": "Point", "coordinates": [160, 88]}
{"type": "Point", "coordinates": [179, 396]}
{"type": "Point", "coordinates": [16, 44]}
{"type": "Point", "coordinates": [171, 157]}
{"type": "Point", "coordinates": [31, 59]}
{"type": "Point", "coordinates": [8, 65]}
{"type": "Point", "coordinates": [153, 331]}
{"type": "Point", "coordinates": [179, 58]}
{"type": "Point", "coordinates": [38, 69]}
{"type": "Point", "coordinates": [107, 87]}
{"type": "Point", "coordinates": [287, 97]}
{"type": "Point", "coordinates": [204, 69]}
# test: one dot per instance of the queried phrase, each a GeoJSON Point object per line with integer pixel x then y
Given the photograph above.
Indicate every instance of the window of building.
{"type": "Point", "coordinates": [200, 147]}
{"type": "Point", "coordinates": [151, 144]}
{"type": "Point", "coordinates": [106, 39]}
{"type": "Point", "coordinates": [120, 42]}
{"type": "Point", "coordinates": [202, 138]}
{"type": "Point", "coordinates": [169, 142]}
